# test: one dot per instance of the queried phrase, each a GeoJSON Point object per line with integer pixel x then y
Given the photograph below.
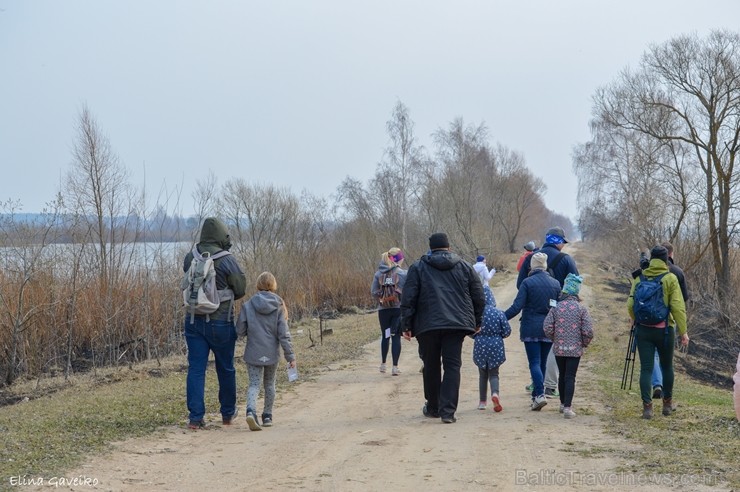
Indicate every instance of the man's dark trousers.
{"type": "Point", "coordinates": [442, 349]}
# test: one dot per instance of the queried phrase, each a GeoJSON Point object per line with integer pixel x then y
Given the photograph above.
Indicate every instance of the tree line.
{"type": "Point", "coordinates": [94, 280]}
{"type": "Point", "coordinates": [660, 165]}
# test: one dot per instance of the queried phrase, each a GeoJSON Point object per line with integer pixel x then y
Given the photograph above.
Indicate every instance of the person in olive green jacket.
{"type": "Point", "coordinates": [661, 336]}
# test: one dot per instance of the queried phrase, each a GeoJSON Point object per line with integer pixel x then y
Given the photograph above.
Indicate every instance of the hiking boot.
{"type": "Point", "coordinates": [551, 393]}
{"type": "Point", "coordinates": [230, 419]}
{"type": "Point", "coordinates": [667, 406]}
{"type": "Point", "coordinates": [429, 413]}
{"type": "Point", "coordinates": [196, 425]}
{"type": "Point", "coordinates": [266, 420]}
{"type": "Point", "coordinates": [647, 410]}
{"type": "Point", "coordinates": [482, 405]}
{"type": "Point", "coordinates": [252, 421]}
{"type": "Point", "coordinates": [449, 420]}
{"type": "Point", "coordinates": [382, 368]}
{"type": "Point", "coordinates": [657, 392]}
{"type": "Point", "coordinates": [496, 403]}
{"type": "Point", "coordinates": [395, 371]}
{"type": "Point", "coordinates": [568, 413]}
{"type": "Point", "coordinates": [538, 402]}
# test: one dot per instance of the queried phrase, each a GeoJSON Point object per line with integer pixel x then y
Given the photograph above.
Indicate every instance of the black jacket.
{"type": "Point", "coordinates": [442, 292]}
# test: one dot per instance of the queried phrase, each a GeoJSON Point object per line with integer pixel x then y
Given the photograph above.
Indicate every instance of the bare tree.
{"type": "Point", "coordinates": [397, 178]}
{"type": "Point", "coordinates": [687, 91]}
{"type": "Point", "coordinates": [515, 192]}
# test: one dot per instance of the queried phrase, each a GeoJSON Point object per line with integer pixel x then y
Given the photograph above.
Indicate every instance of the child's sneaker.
{"type": "Point", "coordinates": [382, 368]}
{"type": "Point", "coordinates": [568, 413]}
{"type": "Point", "coordinates": [482, 405]}
{"type": "Point", "coordinates": [496, 403]}
{"type": "Point", "coordinates": [395, 371]}
{"type": "Point", "coordinates": [266, 420]}
{"type": "Point", "coordinates": [252, 421]}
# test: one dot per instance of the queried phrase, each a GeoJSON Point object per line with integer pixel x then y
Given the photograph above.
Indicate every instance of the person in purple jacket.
{"type": "Point", "coordinates": [570, 328]}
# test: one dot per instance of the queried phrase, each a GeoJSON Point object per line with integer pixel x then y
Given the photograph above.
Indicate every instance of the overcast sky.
{"type": "Point", "coordinates": [297, 93]}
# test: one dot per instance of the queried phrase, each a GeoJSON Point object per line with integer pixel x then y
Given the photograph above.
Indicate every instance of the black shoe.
{"type": "Point", "coordinates": [266, 420]}
{"type": "Point", "coordinates": [196, 425]}
{"type": "Point", "coordinates": [230, 419]}
{"type": "Point", "coordinates": [428, 413]}
{"type": "Point", "coordinates": [449, 420]}
{"type": "Point", "coordinates": [657, 392]}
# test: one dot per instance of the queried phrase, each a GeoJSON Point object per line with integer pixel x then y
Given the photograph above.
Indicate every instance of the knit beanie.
{"type": "Point", "coordinates": [438, 240]}
{"type": "Point", "coordinates": [539, 262]}
{"type": "Point", "coordinates": [659, 252]}
{"type": "Point", "coordinates": [530, 246]}
{"type": "Point", "coordinates": [572, 284]}
{"type": "Point", "coordinates": [480, 258]}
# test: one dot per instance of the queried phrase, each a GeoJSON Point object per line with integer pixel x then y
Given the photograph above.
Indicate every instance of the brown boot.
{"type": "Point", "coordinates": [647, 410]}
{"type": "Point", "coordinates": [667, 406]}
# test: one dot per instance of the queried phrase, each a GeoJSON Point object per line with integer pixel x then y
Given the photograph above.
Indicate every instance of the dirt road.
{"type": "Point", "coordinates": [357, 429]}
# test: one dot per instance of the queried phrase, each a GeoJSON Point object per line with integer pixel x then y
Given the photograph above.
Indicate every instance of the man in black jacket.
{"type": "Point", "coordinates": [442, 302]}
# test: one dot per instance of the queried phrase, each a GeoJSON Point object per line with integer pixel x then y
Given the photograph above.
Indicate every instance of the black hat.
{"type": "Point", "coordinates": [659, 252]}
{"type": "Point", "coordinates": [438, 240]}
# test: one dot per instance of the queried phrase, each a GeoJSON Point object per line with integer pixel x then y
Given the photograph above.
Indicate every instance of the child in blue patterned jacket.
{"type": "Point", "coordinates": [488, 350]}
{"type": "Point", "coordinates": [570, 328]}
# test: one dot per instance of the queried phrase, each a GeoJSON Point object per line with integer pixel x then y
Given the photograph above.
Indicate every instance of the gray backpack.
{"type": "Point", "coordinates": [199, 292]}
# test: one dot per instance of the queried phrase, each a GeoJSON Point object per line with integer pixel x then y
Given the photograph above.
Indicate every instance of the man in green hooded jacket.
{"type": "Point", "coordinates": [660, 336]}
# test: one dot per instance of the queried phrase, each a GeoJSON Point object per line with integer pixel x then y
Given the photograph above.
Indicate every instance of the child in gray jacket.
{"type": "Point", "coordinates": [263, 320]}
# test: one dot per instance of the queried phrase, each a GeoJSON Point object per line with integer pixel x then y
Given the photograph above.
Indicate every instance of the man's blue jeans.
{"type": "Point", "coordinates": [202, 337]}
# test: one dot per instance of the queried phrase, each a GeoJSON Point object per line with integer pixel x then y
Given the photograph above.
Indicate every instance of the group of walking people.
{"type": "Point", "coordinates": [440, 300]}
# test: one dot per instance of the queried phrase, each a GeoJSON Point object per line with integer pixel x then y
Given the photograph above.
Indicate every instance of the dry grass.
{"type": "Point", "coordinates": [700, 441]}
{"type": "Point", "coordinates": [63, 422]}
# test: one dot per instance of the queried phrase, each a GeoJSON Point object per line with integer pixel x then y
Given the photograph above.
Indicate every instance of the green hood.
{"type": "Point", "coordinates": [214, 233]}
{"type": "Point", "coordinates": [657, 267]}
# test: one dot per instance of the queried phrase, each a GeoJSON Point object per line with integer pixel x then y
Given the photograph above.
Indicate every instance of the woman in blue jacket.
{"type": "Point", "coordinates": [537, 293]}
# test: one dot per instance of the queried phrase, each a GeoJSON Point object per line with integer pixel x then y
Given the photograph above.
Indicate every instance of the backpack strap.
{"type": "Point", "coordinates": [556, 261]}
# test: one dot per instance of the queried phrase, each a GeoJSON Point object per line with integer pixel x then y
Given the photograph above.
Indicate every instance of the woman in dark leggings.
{"type": "Point", "coordinates": [386, 288]}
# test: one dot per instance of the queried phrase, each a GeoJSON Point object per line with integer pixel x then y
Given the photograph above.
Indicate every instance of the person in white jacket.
{"type": "Point", "coordinates": [482, 269]}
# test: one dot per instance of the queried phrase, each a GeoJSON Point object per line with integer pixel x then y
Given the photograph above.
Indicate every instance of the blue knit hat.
{"type": "Point", "coordinates": [480, 258]}
{"type": "Point", "coordinates": [572, 284]}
